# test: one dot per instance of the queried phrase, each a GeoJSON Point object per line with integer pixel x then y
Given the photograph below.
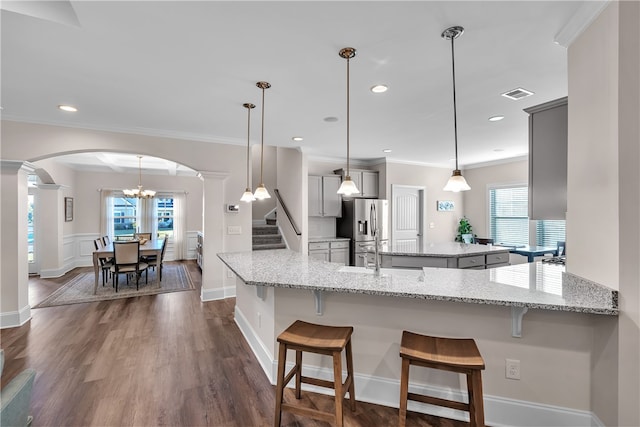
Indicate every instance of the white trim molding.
{"type": "Point", "coordinates": [217, 293]}
{"type": "Point", "coordinates": [13, 319]}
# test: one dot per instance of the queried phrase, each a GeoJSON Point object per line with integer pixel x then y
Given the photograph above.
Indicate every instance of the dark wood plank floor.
{"type": "Point", "coordinates": [157, 360]}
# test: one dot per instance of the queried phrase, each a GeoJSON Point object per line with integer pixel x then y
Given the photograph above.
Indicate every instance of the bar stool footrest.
{"type": "Point", "coordinates": [431, 400]}
{"type": "Point", "coordinates": [318, 382]}
{"type": "Point", "coordinates": [309, 412]}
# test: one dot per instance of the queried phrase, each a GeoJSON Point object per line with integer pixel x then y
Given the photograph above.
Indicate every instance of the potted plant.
{"type": "Point", "coordinates": [465, 231]}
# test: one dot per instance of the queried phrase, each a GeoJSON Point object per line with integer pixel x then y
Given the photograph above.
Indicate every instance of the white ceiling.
{"type": "Point", "coordinates": [184, 69]}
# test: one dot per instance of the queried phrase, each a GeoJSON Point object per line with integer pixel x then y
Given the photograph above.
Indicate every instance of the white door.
{"type": "Point", "coordinates": [407, 217]}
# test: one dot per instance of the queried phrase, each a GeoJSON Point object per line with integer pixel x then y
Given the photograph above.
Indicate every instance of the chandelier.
{"type": "Point", "coordinates": [139, 192]}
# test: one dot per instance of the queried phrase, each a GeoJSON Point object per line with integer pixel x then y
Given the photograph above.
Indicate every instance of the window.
{"type": "Point", "coordinates": [508, 215]}
{"type": "Point", "coordinates": [509, 220]}
{"type": "Point", "coordinates": [124, 216]}
{"type": "Point", "coordinates": [550, 232]}
{"type": "Point", "coordinates": [164, 206]}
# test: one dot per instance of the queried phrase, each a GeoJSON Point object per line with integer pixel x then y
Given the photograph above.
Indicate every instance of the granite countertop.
{"type": "Point", "coordinates": [532, 285]}
{"type": "Point", "coordinates": [443, 250]}
{"type": "Point", "coordinates": [328, 239]}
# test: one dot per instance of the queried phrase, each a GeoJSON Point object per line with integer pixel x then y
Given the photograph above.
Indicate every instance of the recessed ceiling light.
{"type": "Point", "coordinates": [297, 138]}
{"type": "Point", "coordinates": [330, 119]}
{"type": "Point", "coordinates": [68, 108]}
{"type": "Point", "coordinates": [387, 150]}
{"type": "Point", "coordinates": [379, 88]}
{"type": "Point", "coordinates": [495, 118]}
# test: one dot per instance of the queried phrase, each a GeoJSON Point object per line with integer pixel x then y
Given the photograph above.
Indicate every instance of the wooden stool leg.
{"type": "Point", "coordinates": [352, 387]}
{"type": "Point", "coordinates": [337, 380]}
{"type": "Point", "coordinates": [282, 362]}
{"type": "Point", "coordinates": [298, 372]}
{"type": "Point", "coordinates": [476, 404]}
{"type": "Point", "coordinates": [404, 392]}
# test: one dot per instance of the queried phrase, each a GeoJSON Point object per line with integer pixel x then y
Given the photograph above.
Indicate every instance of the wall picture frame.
{"type": "Point", "coordinates": [68, 209]}
{"type": "Point", "coordinates": [445, 205]}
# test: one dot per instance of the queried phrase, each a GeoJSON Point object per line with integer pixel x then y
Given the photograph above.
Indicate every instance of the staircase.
{"type": "Point", "coordinates": [267, 236]}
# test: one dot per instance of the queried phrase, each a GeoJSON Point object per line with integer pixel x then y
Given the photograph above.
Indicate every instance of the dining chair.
{"type": "Point", "coordinates": [105, 240]}
{"type": "Point", "coordinates": [126, 259]}
{"type": "Point", "coordinates": [153, 261]}
{"type": "Point", "coordinates": [562, 248]}
{"type": "Point", "coordinates": [105, 263]}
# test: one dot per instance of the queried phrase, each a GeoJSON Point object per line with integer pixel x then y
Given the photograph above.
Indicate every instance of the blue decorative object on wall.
{"type": "Point", "coordinates": [445, 205]}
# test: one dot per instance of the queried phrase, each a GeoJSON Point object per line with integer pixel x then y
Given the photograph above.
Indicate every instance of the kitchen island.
{"type": "Point", "coordinates": [444, 255]}
{"type": "Point", "coordinates": [275, 288]}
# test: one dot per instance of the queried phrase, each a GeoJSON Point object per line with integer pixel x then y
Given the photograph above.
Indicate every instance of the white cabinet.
{"type": "Point", "coordinates": [367, 181]}
{"type": "Point", "coordinates": [319, 251]}
{"type": "Point", "coordinates": [337, 252]}
{"type": "Point", "coordinates": [324, 199]}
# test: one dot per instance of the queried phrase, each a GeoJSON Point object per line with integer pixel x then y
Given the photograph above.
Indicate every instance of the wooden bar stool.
{"type": "Point", "coordinates": [459, 355]}
{"type": "Point", "coordinates": [328, 340]}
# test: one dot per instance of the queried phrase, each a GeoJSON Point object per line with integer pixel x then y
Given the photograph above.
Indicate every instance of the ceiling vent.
{"type": "Point", "coordinates": [516, 94]}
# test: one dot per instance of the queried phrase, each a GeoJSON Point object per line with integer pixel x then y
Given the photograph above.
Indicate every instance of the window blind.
{"type": "Point", "coordinates": [550, 232]}
{"type": "Point", "coordinates": [508, 215]}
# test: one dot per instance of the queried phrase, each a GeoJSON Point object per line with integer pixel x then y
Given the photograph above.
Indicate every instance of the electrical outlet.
{"type": "Point", "coordinates": [432, 225]}
{"type": "Point", "coordinates": [230, 274]}
{"type": "Point", "coordinates": [512, 369]}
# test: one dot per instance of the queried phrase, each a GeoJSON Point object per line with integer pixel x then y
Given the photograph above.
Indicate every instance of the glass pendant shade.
{"type": "Point", "coordinates": [261, 192]}
{"type": "Point", "coordinates": [247, 196]}
{"type": "Point", "coordinates": [348, 187]}
{"type": "Point", "coordinates": [456, 183]}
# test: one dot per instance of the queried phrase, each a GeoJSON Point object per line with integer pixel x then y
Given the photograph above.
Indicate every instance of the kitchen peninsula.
{"type": "Point", "coordinates": [275, 288]}
{"type": "Point", "coordinates": [445, 255]}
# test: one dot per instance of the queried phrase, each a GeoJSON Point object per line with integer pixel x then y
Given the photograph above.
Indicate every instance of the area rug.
{"type": "Point", "coordinates": [79, 289]}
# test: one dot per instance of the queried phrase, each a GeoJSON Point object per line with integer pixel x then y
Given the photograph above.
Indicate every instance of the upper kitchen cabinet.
{"type": "Point", "coordinates": [367, 182]}
{"type": "Point", "coordinates": [324, 199]}
{"type": "Point", "coordinates": [548, 160]}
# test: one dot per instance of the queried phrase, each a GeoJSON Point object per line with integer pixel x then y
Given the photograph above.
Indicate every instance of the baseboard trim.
{"type": "Point", "coordinates": [217, 293]}
{"type": "Point", "coordinates": [264, 356]}
{"type": "Point", "coordinates": [14, 319]}
{"type": "Point", "coordinates": [499, 411]}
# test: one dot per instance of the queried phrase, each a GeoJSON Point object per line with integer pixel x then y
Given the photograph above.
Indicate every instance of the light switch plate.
{"type": "Point", "coordinates": [234, 229]}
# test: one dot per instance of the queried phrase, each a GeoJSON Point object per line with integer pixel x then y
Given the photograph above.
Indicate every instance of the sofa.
{"type": "Point", "coordinates": [16, 397]}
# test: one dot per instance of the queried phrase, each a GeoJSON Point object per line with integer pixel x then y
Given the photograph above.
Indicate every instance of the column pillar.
{"type": "Point", "coordinates": [14, 263]}
{"type": "Point", "coordinates": [50, 243]}
{"type": "Point", "coordinates": [213, 224]}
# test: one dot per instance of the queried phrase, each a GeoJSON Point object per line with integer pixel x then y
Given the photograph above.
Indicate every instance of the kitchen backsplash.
{"type": "Point", "coordinates": [322, 227]}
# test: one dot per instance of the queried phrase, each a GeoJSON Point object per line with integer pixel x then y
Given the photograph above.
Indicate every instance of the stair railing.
{"type": "Point", "coordinates": [287, 213]}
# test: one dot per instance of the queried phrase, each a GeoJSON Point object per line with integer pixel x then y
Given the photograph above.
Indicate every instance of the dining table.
{"type": "Point", "coordinates": [150, 247]}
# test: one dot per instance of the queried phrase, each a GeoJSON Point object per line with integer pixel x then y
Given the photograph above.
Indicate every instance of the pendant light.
{"type": "Point", "coordinates": [348, 187]}
{"type": "Point", "coordinates": [457, 182]}
{"type": "Point", "coordinates": [139, 192]}
{"type": "Point", "coordinates": [248, 195]}
{"type": "Point", "coordinates": [261, 192]}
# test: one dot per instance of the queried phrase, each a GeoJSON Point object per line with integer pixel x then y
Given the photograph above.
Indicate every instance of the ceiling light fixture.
{"type": "Point", "coordinates": [495, 118]}
{"type": "Point", "coordinates": [248, 196]}
{"type": "Point", "coordinates": [139, 192]}
{"type": "Point", "coordinates": [456, 181]}
{"type": "Point", "coordinates": [297, 138]}
{"type": "Point", "coordinates": [261, 191]}
{"type": "Point", "coordinates": [347, 188]}
{"type": "Point", "coordinates": [387, 150]}
{"type": "Point", "coordinates": [379, 88]}
{"type": "Point", "coordinates": [68, 108]}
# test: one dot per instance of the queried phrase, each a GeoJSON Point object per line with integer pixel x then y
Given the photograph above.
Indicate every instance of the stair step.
{"type": "Point", "coordinates": [269, 246]}
{"type": "Point", "coordinates": [265, 229]}
{"type": "Point", "coordinates": [266, 238]}
{"type": "Point", "coordinates": [271, 221]}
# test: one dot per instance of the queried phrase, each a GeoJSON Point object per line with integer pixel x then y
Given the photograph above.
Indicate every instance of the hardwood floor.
{"type": "Point", "coordinates": [156, 360]}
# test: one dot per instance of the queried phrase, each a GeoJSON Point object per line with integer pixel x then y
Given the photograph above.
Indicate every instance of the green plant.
{"type": "Point", "coordinates": [464, 227]}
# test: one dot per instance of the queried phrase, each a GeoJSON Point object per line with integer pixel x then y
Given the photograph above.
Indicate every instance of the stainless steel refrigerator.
{"type": "Point", "coordinates": [360, 217]}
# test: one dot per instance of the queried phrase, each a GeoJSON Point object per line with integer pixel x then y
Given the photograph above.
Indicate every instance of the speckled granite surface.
{"type": "Point", "coordinates": [444, 250]}
{"type": "Point", "coordinates": [533, 285]}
